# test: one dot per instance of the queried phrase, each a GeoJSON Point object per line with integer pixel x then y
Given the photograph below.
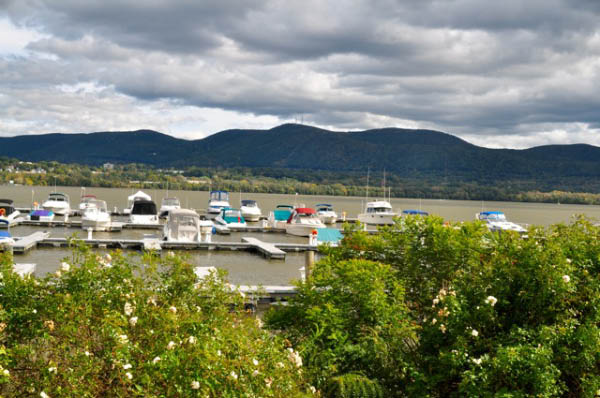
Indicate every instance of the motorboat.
{"type": "Point", "coordinates": [230, 217]}
{"type": "Point", "coordinates": [5, 236]}
{"type": "Point", "coordinates": [326, 213]}
{"type": "Point", "coordinates": [85, 201]}
{"type": "Point", "coordinates": [414, 213]}
{"type": "Point", "coordinates": [167, 205]}
{"type": "Point", "coordinates": [278, 217]}
{"type": "Point", "coordinates": [378, 213]}
{"type": "Point", "coordinates": [8, 211]}
{"type": "Point", "coordinates": [96, 216]}
{"type": "Point", "coordinates": [218, 200]}
{"type": "Point", "coordinates": [496, 221]}
{"type": "Point", "coordinates": [131, 199]}
{"type": "Point", "coordinates": [41, 215]}
{"type": "Point", "coordinates": [184, 225]}
{"type": "Point", "coordinates": [58, 203]}
{"type": "Point", "coordinates": [303, 221]}
{"type": "Point", "coordinates": [250, 210]}
{"type": "Point", "coordinates": [143, 212]}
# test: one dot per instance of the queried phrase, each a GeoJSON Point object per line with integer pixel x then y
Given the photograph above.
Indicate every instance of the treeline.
{"type": "Point", "coordinates": [290, 181]}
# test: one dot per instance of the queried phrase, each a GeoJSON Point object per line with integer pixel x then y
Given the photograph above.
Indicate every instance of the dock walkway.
{"type": "Point", "coordinates": [25, 243]}
{"type": "Point", "coordinates": [269, 250]}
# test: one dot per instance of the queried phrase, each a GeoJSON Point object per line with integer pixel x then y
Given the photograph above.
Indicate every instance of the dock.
{"type": "Point", "coordinates": [26, 243]}
{"type": "Point", "coordinates": [267, 249]}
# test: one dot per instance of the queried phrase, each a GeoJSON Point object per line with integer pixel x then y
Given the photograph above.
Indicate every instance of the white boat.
{"type": "Point", "coordinates": [96, 216]}
{"type": "Point", "coordinates": [230, 218]}
{"type": "Point", "coordinates": [326, 213]}
{"type": "Point", "coordinates": [184, 225]}
{"type": "Point", "coordinates": [278, 217]}
{"type": "Point", "coordinates": [378, 213]}
{"type": "Point", "coordinates": [218, 200]}
{"type": "Point", "coordinates": [167, 205]}
{"type": "Point", "coordinates": [143, 212]}
{"type": "Point", "coordinates": [131, 199]}
{"type": "Point", "coordinates": [8, 211]}
{"type": "Point", "coordinates": [58, 203]}
{"type": "Point", "coordinates": [85, 200]}
{"type": "Point", "coordinates": [496, 221]}
{"type": "Point", "coordinates": [250, 210]}
{"type": "Point", "coordinates": [303, 222]}
{"type": "Point", "coordinates": [41, 215]}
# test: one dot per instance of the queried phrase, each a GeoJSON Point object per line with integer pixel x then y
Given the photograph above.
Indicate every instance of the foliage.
{"type": "Point", "coordinates": [353, 385]}
{"type": "Point", "coordinates": [128, 327]}
{"type": "Point", "coordinates": [496, 314]}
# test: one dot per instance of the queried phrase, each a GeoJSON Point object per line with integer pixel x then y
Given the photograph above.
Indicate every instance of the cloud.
{"type": "Point", "coordinates": [509, 73]}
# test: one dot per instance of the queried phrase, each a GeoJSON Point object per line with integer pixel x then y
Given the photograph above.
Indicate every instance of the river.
{"type": "Point", "coordinates": [249, 268]}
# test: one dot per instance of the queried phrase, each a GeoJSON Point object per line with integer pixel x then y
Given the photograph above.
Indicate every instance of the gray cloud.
{"type": "Point", "coordinates": [526, 70]}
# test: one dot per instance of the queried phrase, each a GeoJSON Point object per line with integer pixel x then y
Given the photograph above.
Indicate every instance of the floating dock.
{"type": "Point", "coordinates": [26, 243]}
{"type": "Point", "coordinates": [267, 249]}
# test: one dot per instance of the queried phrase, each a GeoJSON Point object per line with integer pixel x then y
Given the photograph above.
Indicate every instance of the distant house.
{"type": "Point", "coordinates": [108, 166]}
{"type": "Point", "coordinates": [39, 170]}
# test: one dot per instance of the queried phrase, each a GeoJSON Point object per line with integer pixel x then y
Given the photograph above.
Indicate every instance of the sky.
{"type": "Point", "coordinates": [512, 74]}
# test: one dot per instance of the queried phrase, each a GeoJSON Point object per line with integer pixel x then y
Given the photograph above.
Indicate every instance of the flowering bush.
{"type": "Point", "coordinates": [495, 314]}
{"type": "Point", "coordinates": [116, 326]}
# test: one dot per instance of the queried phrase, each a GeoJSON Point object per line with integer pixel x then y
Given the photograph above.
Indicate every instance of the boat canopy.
{"type": "Point", "coordinates": [249, 202]}
{"type": "Point", "coordinates": [88, 197]}
{"type": "Point", "coordinates": [231, 215]}
{"type": "Point", "coordinates": [59, 197]}
{"type": "Point", "coordinates": [219, 195]}
{"type": "Point", "coordinates": [285, 207]}
{"type": "Point", "coordinates": [98, 203]}
{"type": "Point", "coordinates": [144, 207]}
{"type": "Point", "coordinates": [139, 195]}
{"type": "Point", "coordinates": [415, 212]}
{"type": "Point", "coordinates": [7, 201]}
{"type": "Point", "coordinates": [281, 215]}
{"type": "Point", "coordinates": [183, 217]}
{"type": "Point", "coordinates": [323, 205]}
{"type": "Point", "coordinates": [301, 211]}
{"type": "Point", "coordinates": [492, 215]}
{"type": "Point", "coordinates": [41, 213]}
{"type": "Point", "coordinates": [7, 208]}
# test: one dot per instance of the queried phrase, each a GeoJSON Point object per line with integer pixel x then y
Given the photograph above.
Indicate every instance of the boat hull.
{"type": "Point", "coordinates": [301, 229]}
{"type": "Point", "coordinates": [251, 215]}
{"type": "Point", "coordinates": [56, 208]}
{"type": "Point", "coordinates": [377, 218]}
{"type": "Point", "coordinates": [96, 225]}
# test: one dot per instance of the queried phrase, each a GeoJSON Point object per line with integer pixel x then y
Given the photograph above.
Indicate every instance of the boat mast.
{"type": "Point", "coordinates": [367, 194]}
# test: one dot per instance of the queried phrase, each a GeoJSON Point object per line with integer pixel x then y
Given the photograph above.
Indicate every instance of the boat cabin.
{"type": "Point", "coordinates": [182, 225]}
{"type": "Point", "coordinates": [219, 196]}
{"type": "Point", "coordinates": [143, 207]}
{"type": "Point", "coordinates": [249, 203]}
{"type": "Point", "coordinates": [302, 213]}
{"type": "Point", "coordinates": [230, 215]}
{"type": "Point", "coordinates": [324, 207]}
{"type": "Point", "coordinates": [58, 197]}
{"type": "Point", "coordinates": [6, 207]}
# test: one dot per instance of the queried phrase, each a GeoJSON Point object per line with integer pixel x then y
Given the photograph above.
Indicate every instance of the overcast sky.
{"type": "Point", "coordinates": [497, 73]}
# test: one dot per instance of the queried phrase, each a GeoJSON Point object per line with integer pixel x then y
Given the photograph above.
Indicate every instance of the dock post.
{"type": "Point", "coordinates": [309, 262]}
{"type": "Point", "coordinates": [344, 216]}
{"type": "Point", "coordinates": [90, 230]}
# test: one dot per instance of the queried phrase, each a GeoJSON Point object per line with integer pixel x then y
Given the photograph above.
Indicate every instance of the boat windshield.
{"type": "Point", "coordinates": [144, 208]}
{"type": "Point", "coordinates": [249, 203]}
{"type": "Point", "coordinates": [7, 210]}
{"type": "Point", "coordinates": [186, 221]}
{"type": "Point", "coordinates": [493, 217]}
{"type": "Point", "coordinates": [219, 195]}
{"type": "Point", "coordinates": [232, 213]}
{"type": "Point", "coordinates": [378, 210]}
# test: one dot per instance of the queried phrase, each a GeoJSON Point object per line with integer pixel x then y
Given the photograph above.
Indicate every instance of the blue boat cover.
{"type": "Point", "coordinates": [486, 213]}
{"type": "Point", "coordinates": [282, 215]}
{"type": "Point", "coordinates": [415, 212]}
{"type": "Point", "coordinates": [4, 234]}
{"type": "Point", "coordinates": [331, 235]}
{"type": "Point", "coordinates": [43, 213]}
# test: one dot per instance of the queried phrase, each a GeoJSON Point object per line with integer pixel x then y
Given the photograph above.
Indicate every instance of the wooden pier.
{"type": "Point", "coordinates": [25, 243]}
{"type": "Point", "coordinates": [267, 249]}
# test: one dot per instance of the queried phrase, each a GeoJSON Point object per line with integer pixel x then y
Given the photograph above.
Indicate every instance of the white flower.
{"type": "Point", "coordinates": [566, 278]}
{"type": "Point", "coordinates": [294, 357]}
{"type": "Point", "coordinates": [129, 375]}
{"type": "Point", "coordinates": [491, 300]}
{"type": "Point", "coordinates": [195, 385]}
{"type": "Point", "coordinates": [155, 360]}
{"type": "Point", "coordinates": [170, 254]}
{"type": "Point", "coordinates": [173, 310]}
{"type": "Point", "coordinates": [34, 311]}
{"type": "Point", "coordinates": [476, 361]}
{"type": "Point", "coordinates": [569, 260]}
{"type": "Point", "coordinates": [255, 373]}
{"type": "Point", "coordinates": [255, 362]}
{"type": "Point", "coordinates": [133, 320]}
{"type": "Point", "coordinates": [44, 395]}
{"type": "Point", "coordinates": [268, 381]}
{"type": "Point", "coordinates": [127, 366]}
{"type": "Point", "coordinates": [171, 345]}
{"type": "Point", "coordinates": [52, 369]}
{"type": "Point", "coordinates": [433, 321]}
{"type": "Point", "coordinates": [123, 339]}
{"type": "Point", "coordinates": [259, 323]}
{"type": "Point", "coordinates": [151, 300]}
{"type": "Point", "coordinates": [443, 328]}
{"type": "Point", "coordinates": [218, 352]}
{"type": "Point", "coordinates": [474, 333]}
{"type": "Point", "coordinates": [6, 372]}
{"type": "Point", "coordinates": [192, 340]}
{"type": "Point", "coordinates": [233, 375]}
{"type": "Point", "coordinates": [312, 389]}
{"type": "Point", "coordinates": [65, 267]}
{"type": "Point", "coordinates": [128, 308]}
{"type": "Point", "coordinates": [87, 353]}
{"type": "Point", "coordinates": [57, 273]}
{"type": "Point", "coordinates": [436, 301]}
{"type": "Point", "coordinates": [280, 364]}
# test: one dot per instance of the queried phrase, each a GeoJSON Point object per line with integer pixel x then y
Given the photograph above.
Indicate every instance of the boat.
{"type": "Point", "coordinates": [303, 221]}
{"type": "Point", "coordinates": [230, 217]}
{"type": "Point", "coordinates": [5, 236]}
{"type": "Point", "coordinates": [167, 205]}
{"type": "Point", "coordinates": [85, 200]}
{"type": "Point", "coordinates": [96, 216]}
{"type": "Point", "coordinates": [414, 213]}
{"type": "Point", "coordinates": [378, 213]}
{"type": "Point", "coordinates": [58, 203]}
{"type": "Point", "coordinates": [184, 225]}
{"type": "Point", "coordinates": [250, 210]}
{"type": "Point", "coordinates": [278, 217]}
{"type": "Point", "coordinates": [143, 212]}
{"type": "Point", "coordinates": [41, 215]}
{"type": "Point", "coordinates": [326, 213]}
{"type": "Point", "coordinates": [218, 200]}
{"type": "Point", "coordinates": [496, 221]}
{"type": "Point", "coordinates": [131, 199]}
{"type": "Point", "coordinates": [8, 211]}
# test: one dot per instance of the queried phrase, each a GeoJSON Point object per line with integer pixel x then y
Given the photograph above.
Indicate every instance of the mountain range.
{"type": "Point", "coordinates": [404, 152]}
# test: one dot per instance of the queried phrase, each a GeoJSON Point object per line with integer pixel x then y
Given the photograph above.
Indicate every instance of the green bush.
{"type": "Point", "coordinates": [122, 327]}
{"type": "Point", "coordinates": [353, 385]}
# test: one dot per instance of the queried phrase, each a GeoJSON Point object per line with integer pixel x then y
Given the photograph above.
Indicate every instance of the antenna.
{"type": "Point", "coordinates": [367, 194]}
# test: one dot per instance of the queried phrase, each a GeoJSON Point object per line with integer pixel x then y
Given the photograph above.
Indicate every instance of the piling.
{"type": "Point", "coordinates": [309, 262]}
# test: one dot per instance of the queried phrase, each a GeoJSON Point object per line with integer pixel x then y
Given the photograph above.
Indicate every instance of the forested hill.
{"type": "Point", "coordinates": [400, 151]}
